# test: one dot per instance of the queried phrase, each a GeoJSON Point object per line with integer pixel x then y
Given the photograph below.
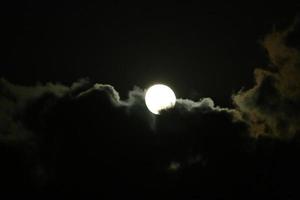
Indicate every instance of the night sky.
{"type": "Point", "coordinates": [74, 124]}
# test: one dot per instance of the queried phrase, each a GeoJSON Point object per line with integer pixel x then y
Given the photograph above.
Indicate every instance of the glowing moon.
{"type": "Point", "coordinates": [159, 97]}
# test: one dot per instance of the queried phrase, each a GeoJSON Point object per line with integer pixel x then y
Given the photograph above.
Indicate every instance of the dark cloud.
{"type": "Point", "coordinates": [272, 106]}
{"type": "Point", "coordinates": [73, 140]}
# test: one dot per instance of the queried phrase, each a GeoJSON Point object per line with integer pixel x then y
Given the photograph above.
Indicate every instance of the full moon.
{"type": "Point", "coordinates": [159, 97]}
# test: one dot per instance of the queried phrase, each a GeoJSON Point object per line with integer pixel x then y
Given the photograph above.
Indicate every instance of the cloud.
{"type": "Point", "coordinates": [77, 136]}
{"type": "Point", "coordinates": [272, 105]}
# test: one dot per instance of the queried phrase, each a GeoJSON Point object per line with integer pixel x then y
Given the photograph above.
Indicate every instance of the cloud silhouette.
{"type": "Point", "coordinates": [77, 136]}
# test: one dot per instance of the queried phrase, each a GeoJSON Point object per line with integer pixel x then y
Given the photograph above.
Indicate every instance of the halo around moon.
{"type": "Point", "coordinates": [159, 97]}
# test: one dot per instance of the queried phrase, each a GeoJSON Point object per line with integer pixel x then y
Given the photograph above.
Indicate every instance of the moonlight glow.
{"type": "Point", "coordinates": [159, 97]}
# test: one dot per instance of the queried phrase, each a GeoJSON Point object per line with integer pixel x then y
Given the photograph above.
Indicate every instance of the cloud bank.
{"type": "Point", "coordinates": [73, 137]}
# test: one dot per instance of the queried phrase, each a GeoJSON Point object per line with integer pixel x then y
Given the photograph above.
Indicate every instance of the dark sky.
{"type": "Point", "coordinates": [73, 126]}
{"type": "Point", "coordinates": [199, 49]}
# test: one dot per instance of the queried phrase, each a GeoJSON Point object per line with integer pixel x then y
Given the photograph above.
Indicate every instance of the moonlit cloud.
{"type": "Point", "coordinates": [272, 106]}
